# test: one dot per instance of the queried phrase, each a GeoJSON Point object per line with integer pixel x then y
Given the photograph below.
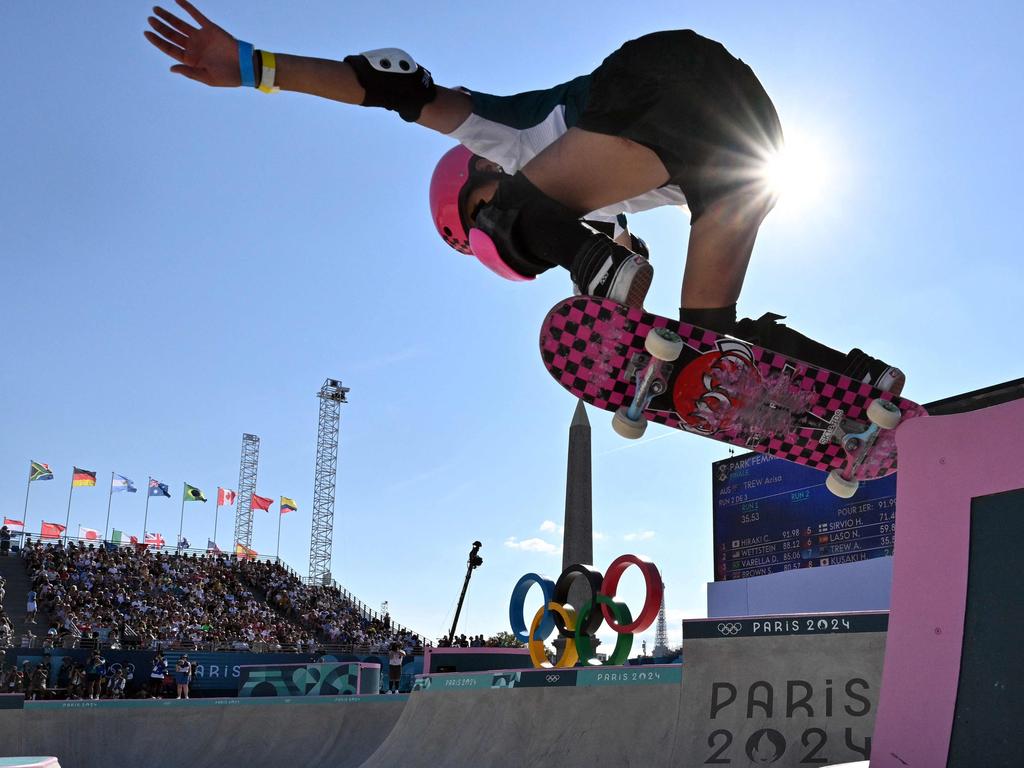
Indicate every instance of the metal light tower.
{"type": "Point", "coordinates": [246, 486]}
{"type": "Point", "coordinates": [332, 395]}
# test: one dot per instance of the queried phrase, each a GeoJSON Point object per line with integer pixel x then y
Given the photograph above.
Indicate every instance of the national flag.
{"type": "Point", "coordinates": [122, 483]}
{"type": "Point", "coordinates": [260, 502]}
{"type": "Point", "coordinates": [193, 494]}
{"type": "Point", "coordinates": [39, 471]}
{"type": "Point", "coordinates": [89, 534]}
{"type": "Point", "coordinates": [225, 498]}
{"type": "Point", "coordinates": [117, 538]}
{"type": "Point", "coordinates": [156, 488]}
{"type": "Point", "coordinates": [244, 553]}
{"type": "Point", "coordinates": [133, 540]}
{"type": "Point", "coordinates": [212, 548]}
{"type": "Point", "coordinates": [183, 543]}
{"type": "Point", "coordinates": [82, 477]}
{"type": "Point", "coordinates": [51, 531]}
{"type": "Point", "coordinates": [154, 540]}
{"type": "Point", "coordinates": [14, 523]}
{"type": "Point", "coordinates": [287, 505]}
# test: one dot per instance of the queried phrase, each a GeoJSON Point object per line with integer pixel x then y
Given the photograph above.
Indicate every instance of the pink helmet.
{"type": "Point", "coordinates": [448, 186]}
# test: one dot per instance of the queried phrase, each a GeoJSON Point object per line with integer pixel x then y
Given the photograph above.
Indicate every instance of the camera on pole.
{"type": "Point", "coordinates": [475, 561]}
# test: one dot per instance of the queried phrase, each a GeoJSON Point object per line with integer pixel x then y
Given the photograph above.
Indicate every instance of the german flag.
{"type": "Point", "coordinates": [83, 477]}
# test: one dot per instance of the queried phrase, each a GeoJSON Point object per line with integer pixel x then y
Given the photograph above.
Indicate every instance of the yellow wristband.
{"type": "Point", "coordinates": [269, 71]}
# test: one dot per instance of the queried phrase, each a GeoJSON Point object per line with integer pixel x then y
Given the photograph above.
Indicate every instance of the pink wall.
{"type": "Point", "coordinates": [944, 462]}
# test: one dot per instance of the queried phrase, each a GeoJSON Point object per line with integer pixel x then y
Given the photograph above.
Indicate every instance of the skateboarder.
{"type": "Point", "coordinates": [540, 178]}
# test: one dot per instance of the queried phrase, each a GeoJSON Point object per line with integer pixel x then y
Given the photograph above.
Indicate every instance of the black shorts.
{"type": "Point", "coordinates": [702, 111]}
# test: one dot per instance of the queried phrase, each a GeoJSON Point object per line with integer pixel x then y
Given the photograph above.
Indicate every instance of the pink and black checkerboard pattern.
{"type": "Point", "coordinates": [586, 344]}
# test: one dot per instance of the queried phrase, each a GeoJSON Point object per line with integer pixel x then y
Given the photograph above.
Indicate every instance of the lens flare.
{"type": "Point", "coordinates": [798, 174]}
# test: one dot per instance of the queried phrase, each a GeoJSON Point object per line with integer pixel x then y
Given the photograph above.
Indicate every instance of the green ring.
{"type": "Point", "coordinates": [585, 643]}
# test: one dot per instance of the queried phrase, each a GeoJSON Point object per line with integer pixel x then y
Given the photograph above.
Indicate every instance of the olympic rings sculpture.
{"type": "Point", "coordinates": [579, 625]}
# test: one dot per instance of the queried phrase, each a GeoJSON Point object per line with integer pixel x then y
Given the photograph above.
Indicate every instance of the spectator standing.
{"type": "Point", "coordinates": [5, 541]}
{"type": "Point", "coordinates": [94, 669]}
{"type": "Point", "coordinates": [76, 681]}
{"type": "Point", "coordinates": [156, 676]}
{"type": "Point", "coordinates": [31, 607]}
{"type": "Point", "coordinates": [117, 683]}
{"type": "Point", "coordinates": [182, 674]}
{"type": "Point", "coordinates": [395, 656]}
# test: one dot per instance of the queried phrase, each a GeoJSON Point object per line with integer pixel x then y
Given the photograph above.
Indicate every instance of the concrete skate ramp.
{"type": "Point", "coordinates": [336, 733]}
{"type": "Point", "coordinates": [558, 726]}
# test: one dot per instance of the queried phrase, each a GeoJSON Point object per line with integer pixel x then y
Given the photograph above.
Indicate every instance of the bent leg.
{"type": "Point", "coordinates": [586, 171]}
{"type": "Point", "coordinates": [718, 254]}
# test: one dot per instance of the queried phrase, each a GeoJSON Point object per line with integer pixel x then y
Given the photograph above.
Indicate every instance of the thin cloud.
{"type": "Point", "coordinates": [639, 536]}
{"type": "Point", "coordinates": [532, 545]}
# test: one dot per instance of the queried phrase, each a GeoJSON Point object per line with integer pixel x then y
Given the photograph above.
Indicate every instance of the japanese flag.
{"type": "Point", "coordinates": [89, 534]}
{"type": "Point", "coordinates": [225, 498]}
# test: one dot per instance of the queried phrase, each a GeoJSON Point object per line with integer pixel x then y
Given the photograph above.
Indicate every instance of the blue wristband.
{"type": "Point", "coordinates": [245, 51]}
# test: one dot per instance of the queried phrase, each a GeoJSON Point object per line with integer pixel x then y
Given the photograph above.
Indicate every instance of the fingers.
{"type": "Point", "coordinates": [182, 26]}
{"type": "Point", "coordinates": [192, 73]}
{"type": "Point", "coordinates": [193, 12]}
{"type": "Point", "coordinates": [175, 37]}
{"type": "Point", "coordinates": [173, 51]}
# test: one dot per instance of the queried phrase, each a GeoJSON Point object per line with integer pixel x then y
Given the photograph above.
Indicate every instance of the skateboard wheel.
{"type": "Point", "coordinates": [627, 427]}
{"type": "Point", "coordinates": [663, 344]}
{"type": "Point", "coordinates": [840, 486]}
{"type": "Point", "coordinates": [885, 414]}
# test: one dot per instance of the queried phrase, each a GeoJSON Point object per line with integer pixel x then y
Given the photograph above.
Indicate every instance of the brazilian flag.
{"type": "Point", "coordinates": [193, 494]}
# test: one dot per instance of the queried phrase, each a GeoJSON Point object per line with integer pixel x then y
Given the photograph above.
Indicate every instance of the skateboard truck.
{"type": "Point", "coordinates": [857, 444]}
{"type": "Point", "coordinates": [652, 372]}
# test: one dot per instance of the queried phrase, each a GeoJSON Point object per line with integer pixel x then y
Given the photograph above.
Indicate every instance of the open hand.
{"type": "Point", "coordinates": [207, 54]}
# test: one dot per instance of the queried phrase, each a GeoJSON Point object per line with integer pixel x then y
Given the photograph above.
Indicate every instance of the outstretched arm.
{"type": "Point", "coordinates": [208, 54]}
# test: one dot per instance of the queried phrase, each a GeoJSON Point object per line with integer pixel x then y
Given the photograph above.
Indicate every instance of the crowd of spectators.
{"type": "Point", "coordinates": [139, 597]}
{"type": "Point", "coordinates": [325, 612]}
{"type": "Point", "coordinates": [476, 641]}
{"type": "Point", "coordinates": [94, 679]}
{"type": "Point", "coordinates": [6, 628]}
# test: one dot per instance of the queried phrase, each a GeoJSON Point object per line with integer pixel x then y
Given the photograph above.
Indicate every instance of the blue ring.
{"type": "Point", "coordinates": [245, 51]}
{"type": "Point", "coordinates": [518, 603]}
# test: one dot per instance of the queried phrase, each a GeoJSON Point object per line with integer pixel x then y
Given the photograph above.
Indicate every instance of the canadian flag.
{"type": "Point", "coordinates": [225, 498]}
{"type": "Point", "coordinates": [14, 523]}
{"type": "Point", "coordinates": [89, 534]}
{"type": "Point", "coordinates": [154, 540]}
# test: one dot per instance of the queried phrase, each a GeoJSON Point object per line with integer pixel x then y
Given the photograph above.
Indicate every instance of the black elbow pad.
{"type": "Point", "coordinates": [393, 80]}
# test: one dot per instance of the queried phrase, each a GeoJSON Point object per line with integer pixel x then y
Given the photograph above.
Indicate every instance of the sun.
{"type": "Point", "coordinates": [800, 174]}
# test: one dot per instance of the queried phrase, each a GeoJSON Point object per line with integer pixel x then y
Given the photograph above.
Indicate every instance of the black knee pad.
{"type": "Point", "coordinates": [531, 231]}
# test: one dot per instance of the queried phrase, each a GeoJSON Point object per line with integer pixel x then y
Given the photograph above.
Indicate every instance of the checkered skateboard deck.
{"type": "Point", "coordinates": [719, 387]}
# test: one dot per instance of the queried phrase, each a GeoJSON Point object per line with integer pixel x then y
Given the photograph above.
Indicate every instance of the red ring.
{"type": "Point", "coordinates": [655, 591]}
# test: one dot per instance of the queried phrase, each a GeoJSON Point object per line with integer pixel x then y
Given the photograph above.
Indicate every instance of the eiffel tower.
{"type": "Point", "coordinates": [661, 648]}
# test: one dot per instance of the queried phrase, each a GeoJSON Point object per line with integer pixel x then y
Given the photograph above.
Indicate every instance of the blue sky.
{"type": "Point", "coordinates": [183, 264]}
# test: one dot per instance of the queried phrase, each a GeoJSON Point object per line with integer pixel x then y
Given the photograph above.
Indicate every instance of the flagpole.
{"type": "Point", "coordinates": [181, 523]}
{"type": "Point", "coordinates": [277, 554]}
{"type": "Point", "coordinates": [145, 517]}
{"type": "Point", "coordinates": [110, 494]}
{"type": "Point", "coordinates": [67, 520]}
{"type": "Point", "coordinates": [24, 515]}
{"type": "Point", "coordinates": [216, 512]}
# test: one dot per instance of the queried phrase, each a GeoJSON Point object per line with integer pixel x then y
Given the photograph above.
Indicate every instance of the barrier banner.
{"type": "Point", "coordinates": [786, 691]}
{"type": "Point", "coordinates": [326, 679]}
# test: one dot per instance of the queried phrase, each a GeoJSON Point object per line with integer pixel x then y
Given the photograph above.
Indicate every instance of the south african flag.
{"type": "Point", "coordinates": [39, 471]}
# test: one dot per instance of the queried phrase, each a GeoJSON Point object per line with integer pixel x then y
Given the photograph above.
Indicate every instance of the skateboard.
{"type": "Point", "coordinates": [644, 367]}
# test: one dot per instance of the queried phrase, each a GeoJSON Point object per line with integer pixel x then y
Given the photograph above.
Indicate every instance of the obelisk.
{"type": "Point", "coordinates": [578, 535]}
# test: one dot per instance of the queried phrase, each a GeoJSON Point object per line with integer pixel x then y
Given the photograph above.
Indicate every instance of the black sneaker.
{"type": "Point", "coordinates": [878, 373]}
{"type": "Point", "coordinates": [615, 273]}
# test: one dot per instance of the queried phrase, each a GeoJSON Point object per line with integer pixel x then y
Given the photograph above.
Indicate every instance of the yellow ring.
{"type": "Point", "coordinates": [570, 655]}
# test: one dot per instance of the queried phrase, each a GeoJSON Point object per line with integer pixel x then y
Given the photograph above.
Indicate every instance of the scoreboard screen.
{"type": "Point", "coordinates": [772, 515]}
